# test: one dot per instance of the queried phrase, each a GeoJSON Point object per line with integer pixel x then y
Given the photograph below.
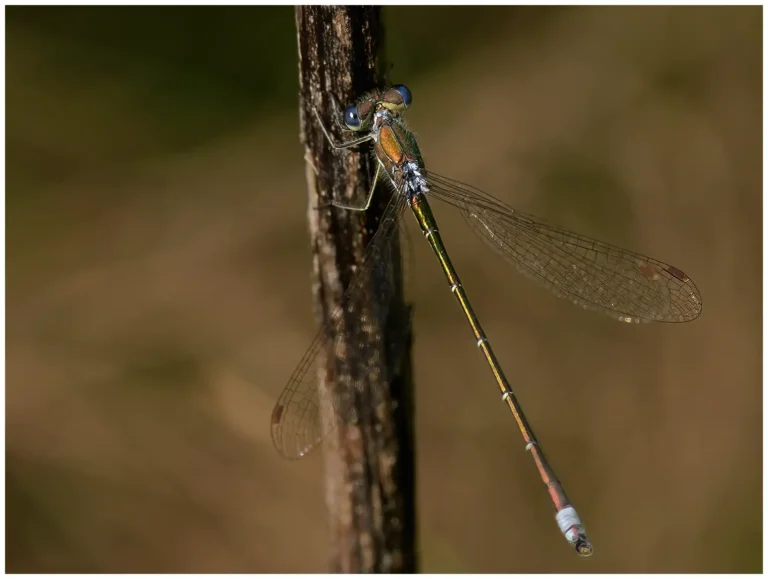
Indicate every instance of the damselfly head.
{"type": "Point", "coordinates": [359, 117]}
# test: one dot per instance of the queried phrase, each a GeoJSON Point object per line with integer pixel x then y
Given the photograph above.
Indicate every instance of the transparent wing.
{"type": "Point", "coordinates": [626, 285]}
{"type": "Point", "coordinates": [307, 411]}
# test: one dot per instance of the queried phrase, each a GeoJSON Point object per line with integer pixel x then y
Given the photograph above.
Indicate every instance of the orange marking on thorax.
{"type": "Point", "coordinates": [390, 145]}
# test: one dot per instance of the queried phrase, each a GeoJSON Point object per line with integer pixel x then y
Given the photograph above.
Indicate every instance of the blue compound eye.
{"type": "Point", "coordinates": [351, 118]}
{"type": "Point", "coordinates": [405, 93]}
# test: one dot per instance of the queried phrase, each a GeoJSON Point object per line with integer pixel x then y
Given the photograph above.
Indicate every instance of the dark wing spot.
{"type": "Point", "coordinates": [277, 413]}
{"type": "Point", "coordinates": [677, 273]}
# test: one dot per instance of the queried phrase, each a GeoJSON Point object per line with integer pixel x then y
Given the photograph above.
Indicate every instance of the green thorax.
{"type": "Point", "coordinates": [396, 147]}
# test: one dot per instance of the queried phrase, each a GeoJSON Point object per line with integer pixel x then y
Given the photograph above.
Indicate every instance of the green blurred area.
{"type": "Point", "coordinates": [158, 288]}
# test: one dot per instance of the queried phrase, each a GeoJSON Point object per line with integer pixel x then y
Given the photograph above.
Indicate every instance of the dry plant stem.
{"type": "Point", "coordinates": [369, 461]}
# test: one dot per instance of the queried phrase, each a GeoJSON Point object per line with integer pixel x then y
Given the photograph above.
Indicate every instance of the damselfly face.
{"type": "Point", "coordinates": [359, 117]}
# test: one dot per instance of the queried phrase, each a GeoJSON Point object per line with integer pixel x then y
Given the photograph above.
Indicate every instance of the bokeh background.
{"type": "Point", "coordinates": [158, 288]}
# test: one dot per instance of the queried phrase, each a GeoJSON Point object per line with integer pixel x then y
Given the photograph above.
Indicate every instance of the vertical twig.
{"type": "Point", "coordinates": [370, 460]}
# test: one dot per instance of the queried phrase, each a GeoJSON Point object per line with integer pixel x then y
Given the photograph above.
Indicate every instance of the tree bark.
{"type": "Point", "coordinates": [370, 471]}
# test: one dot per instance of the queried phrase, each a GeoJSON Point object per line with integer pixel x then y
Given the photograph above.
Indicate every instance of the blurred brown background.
{"type": "Point", "coordinates": [158, 289]}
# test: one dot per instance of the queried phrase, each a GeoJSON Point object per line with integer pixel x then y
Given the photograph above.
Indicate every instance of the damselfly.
{"type": "Point", "coordinates": [626, 285]}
